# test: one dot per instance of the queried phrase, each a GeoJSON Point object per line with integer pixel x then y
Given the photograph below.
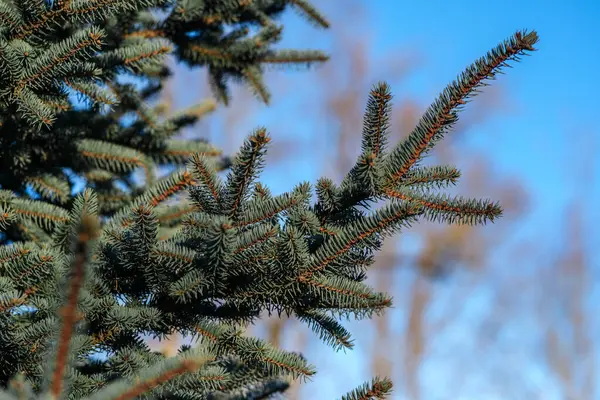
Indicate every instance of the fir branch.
{"type": "Point", "coordinates": [33, 270]}
{"type": "Point", "coordinates": [258, 211]}
{"type": "Point", "coordinates": [308, 10]}
{"type": "Point", "coordinates": [151, 378]}
{"type": "Point", "coordinates": [214, 55]}
{"type": "Point", "coordinates": [114, 158]}
{"type": "Point", "coordinates": [430, 177]}
{"type": "Point", "coordinates": [76, 48]}
{"type": "Point", "coordinates": [85, 208]}
{"type": "Point", "coordinates": [165, 188]}
{"type": "Point", "coordinates": [136, 56]}
{"type": "Point", "coordinates": [83, 11]}
{"type": "Point", "coordinates": [173, 256]}
{"type": "Point", "coordinates": [187, 117]}
{"type": "Point", "coordinates": [451, 210]}
{"type": "Point", "coordinates": [7, 217]}
{"type": "Point", "coordinates": [146, 33]}
{"type": "Point", "coordinates": [112, 199]}
{"type": "Point", "coordinates": [253, 351]}
{"type": "Point", "coordinates": [174, 214]}
{"type": "Point", "coordinates": [375, 390]}
{"type": "Point", "coordinates": [13, 254]}
{"type": "Point", "coordinates": [328, 329]}
{"type": "Point", "coordinates": [50, 187]}
{"type": "Point", "coordinates": [34, 109]}
{"type": "Point", "coordinates": [250, 239]}
{"type": "Point", "coordinates": [207, 192]}
{"type": "Point", "coordinates": [9, 15]}
{"type": "Point", "coordinates": [30, 230]}
{"type": "Point", "coordinates": [327, 195]}
{"type": "Point", "coordinates": [180, 151]}
{"type": "Point", "coordinates": [376, 120]}
{"type": "Point", "coordinates": [305, 221]}
{"type": "Point", "coordinates": [344, 295]}
{"type": "Point", "coordinates": [246, 166]}
{"type": "Point", "coordinates": [98, 175]}
{"type": "Point", "coordinates": [254, 77]}
{"type": "Point", "coordinates": [93, 93]}
{"type": "Point", "coordinates": [294, 57]}
{"type": "Point", "coordinates": [383, 220]}
{"type": "Point", "coordinates": [45, 215]}
{"type": "Point", "coordinates": [261, 192]}
{"type": "Point", "coordinates": [12, 301]}
{"type": "Point", "coordinates": [443, 113]}
{"type": "Point", "coordinates": [189, 287]}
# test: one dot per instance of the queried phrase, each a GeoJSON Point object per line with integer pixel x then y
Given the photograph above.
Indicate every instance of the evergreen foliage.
{"type": "Point", "coordinates": [90, 273]}
{"type": "Point", "coordinates": [51, 51]}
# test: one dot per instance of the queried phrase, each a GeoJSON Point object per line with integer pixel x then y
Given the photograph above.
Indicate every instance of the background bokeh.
{"type": "Point", "coordinates": [503, 311]}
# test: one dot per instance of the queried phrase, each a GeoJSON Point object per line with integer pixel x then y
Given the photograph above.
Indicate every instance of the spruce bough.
{"type": "Point", "coordinates": [89, 274]}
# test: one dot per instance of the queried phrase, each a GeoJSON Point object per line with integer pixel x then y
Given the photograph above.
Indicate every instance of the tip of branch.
{"type": "Point", "coordinates": [527, 39]}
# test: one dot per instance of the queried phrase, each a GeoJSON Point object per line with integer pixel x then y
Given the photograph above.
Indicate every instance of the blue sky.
{"type": "Point", "coordinates": [554, 127]}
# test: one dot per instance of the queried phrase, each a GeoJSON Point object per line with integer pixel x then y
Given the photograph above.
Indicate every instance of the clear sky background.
{"type": "Point", "coordinates": [552, 128]}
